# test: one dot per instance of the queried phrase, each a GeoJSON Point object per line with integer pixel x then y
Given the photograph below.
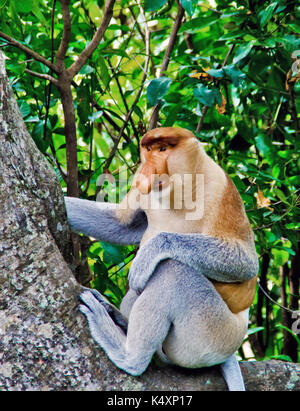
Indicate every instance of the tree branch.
{"type": "Point", "coordinates": [42, 76]}
{"type": "Point", "coordinates": [30, 52]}
{"type": "Point", "coordinates": [87, 52]}
{"type": "Point", "coordinates": [123, 98]}
{"type": "Point", "coordinates": [205, 107]}
{"type": "Point", "coordinates": [147, 44]}
{"type": "Point", "coordinates": [61, 53]}
{"type": "Point", "coordinates": [166, 60]}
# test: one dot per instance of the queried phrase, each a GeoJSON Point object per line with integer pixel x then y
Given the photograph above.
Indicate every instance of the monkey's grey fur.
{"type": "Point", "coordinates": [210, 256]}
{"type": "Point", "coordinates": [178, 313]}
{"type": "Point", "coordinates": [99, 220]}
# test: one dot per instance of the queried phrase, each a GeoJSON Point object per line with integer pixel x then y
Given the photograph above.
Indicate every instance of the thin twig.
{"type": "Point", "coordinates": [123, 98]}
{"type": "Point", "coordinates": [205, 107]}
{"type": "Point", "coordinates": [147, 44]}
{"type": "Point", "coordinates": [48, 95]}
{"type": "Point", "coordinates": [42, 76]}
{"type": "Point", "coordinates": [201, 120]}
{"type": "Point", "coordinates": [87, 52]}
{"type": "Point", "coordinates": [166, 60]}
{"type": "Point", "coordinates": [293, 106]}
{"type": "Point", "coordinates": [30, 52]}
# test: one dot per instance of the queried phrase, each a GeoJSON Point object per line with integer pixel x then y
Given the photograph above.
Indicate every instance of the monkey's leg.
{"type": "Point", "coordinates": [127, 303]}
{"type": "Point", "coordinates": [113, 312]}
{"type": "Point", "coordinates": [134, 352]}
{"type": "Point", "coordinates": [99, 220]}
{"type": "Point", "coordinates": [232, 374]}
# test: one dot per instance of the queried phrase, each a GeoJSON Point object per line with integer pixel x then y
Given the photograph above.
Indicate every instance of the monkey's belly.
{"type": "Point", "coordinates": [207, 343]}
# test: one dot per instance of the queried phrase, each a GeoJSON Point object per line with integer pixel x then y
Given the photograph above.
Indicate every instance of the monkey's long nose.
{"type": "Point", "coordinates": [146, 178]}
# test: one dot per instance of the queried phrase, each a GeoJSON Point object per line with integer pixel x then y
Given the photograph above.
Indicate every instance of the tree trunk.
{"type": "Point", "coordinates": [44, 341]}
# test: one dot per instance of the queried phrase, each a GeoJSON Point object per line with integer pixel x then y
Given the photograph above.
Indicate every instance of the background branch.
{"type": "Point", "coordinates": [88, 51]}
{"type": "Point", "coordinates": [166, 60]}
{"type": "Point", "coordinates": [30, 52]}
{"type": "Point", "coordinates": [205, 107]}
{"type": "Point", "coordinates": [147, 59]}
{"type": "Point", "coordinates": [61, 53]}
{"type": "Point", "coordinates": [42, 76]}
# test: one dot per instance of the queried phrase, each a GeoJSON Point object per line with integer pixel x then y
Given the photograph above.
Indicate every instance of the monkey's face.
{"type": "Point", "coordinates": [164, 152]}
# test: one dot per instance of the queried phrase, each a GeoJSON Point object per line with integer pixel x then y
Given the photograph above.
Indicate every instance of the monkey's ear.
{"type": "Point", "coordinates": [99, 220]}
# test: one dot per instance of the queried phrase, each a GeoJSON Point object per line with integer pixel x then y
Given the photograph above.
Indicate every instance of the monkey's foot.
{"type": "Point", "coordinates": [99, 297]}
{"type": "Point", "coordinates": [107, 334]}
{"type": "Point", "coordinates": [99, 320]}
{"type": "Point", "coordinates": [112, 311]}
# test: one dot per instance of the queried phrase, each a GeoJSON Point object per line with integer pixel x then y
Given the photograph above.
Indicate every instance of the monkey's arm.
{"type": "Point", "coordinates": [216, 259]}
{"type": "Point", "coordinates": [99, 220]}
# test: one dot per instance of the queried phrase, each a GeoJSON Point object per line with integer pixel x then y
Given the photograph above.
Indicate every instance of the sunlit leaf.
{"type": "Point", "coordinates": [157, 88]}
{"type": "Point", "coordinates": [189, 6]}
{"type": "Point", "coordinates": [151, 5]}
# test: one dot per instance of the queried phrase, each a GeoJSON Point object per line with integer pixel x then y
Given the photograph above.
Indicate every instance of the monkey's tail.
{"type": "Point", "coordinates": [162, 356]}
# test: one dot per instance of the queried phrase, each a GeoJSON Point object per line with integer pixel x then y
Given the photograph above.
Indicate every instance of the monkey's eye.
{"type": "Point", "coordinates": [148, 148]}
{"type": "Point", "coordinates": [162, 148]}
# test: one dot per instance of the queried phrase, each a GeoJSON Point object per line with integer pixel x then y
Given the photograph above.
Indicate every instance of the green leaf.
{"type": "Point", "coordinates": [207, 96]}
{"type": "Point", "coordinates": [38, 136]}
{"type": "Point", "coordinates": [235, 74]}
{"type": "Point", "coordinates": [104, 72]}
{"type": "Point", "coordinates": [95, 115]}
{"type": "Point", "coordinates": [115, 289]}
{"type": "Point", "coordinates": [281, 357]}
{"type": "Point", "coordinates": [255, 330]}
{"type": "Point", "coordinates": [86, 69]}
{"type": "Point", "coordinates": [23, 6]}
{"type": "Point", "coordinates": [280, 256]}
{"type": "Point", "coordinates": [17, 68]}
{"type": "Point", "coordinates": [151, 5]}
{"type": "Point", "coordinates": [118, 27]}
{"type": "Point", "coordinates": [24, 108]}
{"type": "Point", "coordinates": [157, 88]}
{"type": "Point", "coordinates": [100, 276]}
{"type": "Point", "coordinates": [280, 194]}
{"type": "Point", "coordinates": [171, 118]}
{"type": "Point", "coordinates": [243, 51]}
{"type": "Point", "coordinates": [112, 253]}
{"type": "Point", "coordinates": [189, 6]}
{"type": "Point", "coordinates": [197, 23]}
{"type": "Point", "coordinates": [276, 171]}
{"type": "Point", "coordinates": [264, 145]}
{"type": "Point", "coordinates": [36, 10]}
{"type": "Point", "coordinates": [290, 331]}
{"type": "Point", "coordinates": [218, 73]}
{"type": "Point", "coordinates": [267, 13]}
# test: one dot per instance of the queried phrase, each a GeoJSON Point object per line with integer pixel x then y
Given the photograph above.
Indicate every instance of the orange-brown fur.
{"type": "Point", "coordinates": [238, 296]}
{"type": "Point", "coordinates": [232, 221]}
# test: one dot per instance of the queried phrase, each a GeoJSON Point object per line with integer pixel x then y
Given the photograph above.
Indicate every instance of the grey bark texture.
{"type": "Point", "coordinates": [44, 340]}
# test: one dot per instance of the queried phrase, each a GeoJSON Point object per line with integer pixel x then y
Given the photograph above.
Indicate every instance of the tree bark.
{"type": "Point", "coordinates": [44, 340]}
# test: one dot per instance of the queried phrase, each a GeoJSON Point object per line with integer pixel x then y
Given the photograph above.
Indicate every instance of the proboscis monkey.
{"type": "Point", "coordinates": [189, 249]}
{"type": "Point", "coordinates": [174, 151]}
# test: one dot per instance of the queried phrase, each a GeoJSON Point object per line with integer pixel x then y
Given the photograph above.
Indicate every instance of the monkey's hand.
{"type": "Point", "coordinates": [146, 260]}
{"type": "Point", "coordinates": [216, 259]}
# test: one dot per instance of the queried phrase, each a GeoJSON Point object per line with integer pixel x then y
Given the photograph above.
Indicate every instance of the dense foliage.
{"type": "Point", "coordinates": [231, 78]}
